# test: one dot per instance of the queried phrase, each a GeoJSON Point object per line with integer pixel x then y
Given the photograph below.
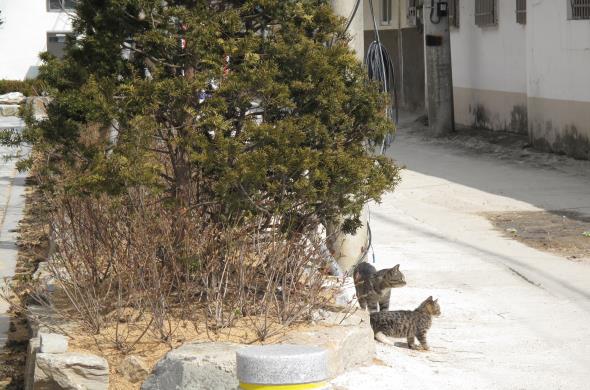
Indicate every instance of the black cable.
{"type": "Point", "coordinates": [352, 15]}
{"type": "Point", "coordinates": [432, 13]}
{"type": "Point", "coordinates": [380, 68]}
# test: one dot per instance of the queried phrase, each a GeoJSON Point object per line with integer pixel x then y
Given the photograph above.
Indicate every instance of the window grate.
{"type": "Point", "coordinates": [56, 43]}
{"type": "Point", "coordinates": [386, 12]}
{"type": "Point", "coordinates": [411, 12]}
{"type": "Point", "coordinates": [59, 5]}
{"type": "Point", "coordinates": [521, 11]}
{"type": "Point", "coordinates": [485, 13]}
{"type": "Point", "coordinates": [454, 13]}
{"type": "Point", "coordinates": [579, 9]}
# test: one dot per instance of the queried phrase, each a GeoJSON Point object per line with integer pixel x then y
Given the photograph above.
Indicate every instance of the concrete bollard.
{"type": "Point", "coordinates": [283, 367]}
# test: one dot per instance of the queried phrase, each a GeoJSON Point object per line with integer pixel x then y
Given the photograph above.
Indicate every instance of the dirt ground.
{"type": "Point", "coordinates": [32, 244]}
{"type": "Point", "coordinates": [563, 233]}
{"type": "Point", "coordinates": [33, 248]}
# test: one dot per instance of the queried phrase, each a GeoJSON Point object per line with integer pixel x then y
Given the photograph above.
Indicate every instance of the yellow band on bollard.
{"type": "Point", "coordinates": [304, 386]}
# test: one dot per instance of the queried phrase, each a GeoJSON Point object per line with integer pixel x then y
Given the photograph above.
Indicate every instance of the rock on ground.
{"type": "Point", "coordinates": [133, 368]}
{"type": "Point", "coordinates": [12, 98]}
{"type": "Point", "coordinates": [9, 109]}
{"type": "Point", "coordinates": [70, 371]}
{"type": "Point", "coordinates": [53, 343]}
{"type": "Point", "coordinates": [347, 337]}
{"type": "Point", "coordinates": [210, 366]}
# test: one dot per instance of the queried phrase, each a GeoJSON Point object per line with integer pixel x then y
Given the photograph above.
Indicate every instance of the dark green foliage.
{"type": "Point", "coordinates": [306, 161]}
{"type": "Point", "coordinates": [26, 87]}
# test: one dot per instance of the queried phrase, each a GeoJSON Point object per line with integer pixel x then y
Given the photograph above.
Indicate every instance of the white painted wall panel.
{"type": "Point", "coordinates": [489, 58]}
{"type": "Point", "coordinates": [558, 53]}
{"type": "Point", "coordinates": [23, 35]}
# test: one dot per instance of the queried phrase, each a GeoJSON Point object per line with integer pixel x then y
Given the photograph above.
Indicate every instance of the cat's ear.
{"type": "Point", "coordinates": [429, 299]}
{"type": "Point", "coordinates": [396, 268]}
{"type": "Point", "coordinates": [436, 300]}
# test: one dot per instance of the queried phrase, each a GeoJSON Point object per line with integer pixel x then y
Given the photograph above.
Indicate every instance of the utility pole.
{"type": "Point", "coordinates": [347, 249]}
{"type": "Point", "coordinates": [439, 77]}
{"type": "Point", "coordinates": [356, 30]}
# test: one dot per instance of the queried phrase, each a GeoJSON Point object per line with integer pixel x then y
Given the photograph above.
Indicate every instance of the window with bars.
{"type": "Point", "coordinates": [411, 12]}
{"type": "Point", "coordinates": [486, 12]}
{"type": "Point", "coordinates": [521, 11]}
{"type": "Point", "coordinates": [454, 13]}
{"type": "Point", "coordinates": [386, 12]}
{"type": "Point", "coordinates": [578, 9]}
{"type": "Point", "coordinates": [56, 43]}
{"type": "Point", "coordinates": [60, 5]}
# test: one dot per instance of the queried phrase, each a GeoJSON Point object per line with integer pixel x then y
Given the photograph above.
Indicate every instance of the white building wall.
{"type": "Point", "coordinates": [23, 35]}
{"type": "Point", "coordinates": [489, 70]}
{"type": "Point", "coordinates": [558, 82]}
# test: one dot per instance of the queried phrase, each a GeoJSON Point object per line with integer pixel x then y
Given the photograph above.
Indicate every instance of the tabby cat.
{"type": "Point", "coordinates": [405, 323]}
{"type": "Point", "coordinates": [373, 287]}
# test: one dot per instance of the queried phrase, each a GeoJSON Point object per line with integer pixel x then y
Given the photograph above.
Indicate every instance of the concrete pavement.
{"type": "Point", "coordinates": [12, 189]}
{"type": "Point", "coordinates": [512, 317]}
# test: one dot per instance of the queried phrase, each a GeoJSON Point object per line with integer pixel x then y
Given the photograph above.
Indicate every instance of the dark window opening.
{"type": "Point", "coordinates": [579, 9]}
{"type": "Point", "coordinates": [385, 12]}
{"type": "Point", "coordinates": [521, 11]}
{"type": "Point", "coordinates": [486, 13]}
{"type": "Point", "coordinates": [56, 43]}
{"type": "Point", "coordinates": [60, 5]}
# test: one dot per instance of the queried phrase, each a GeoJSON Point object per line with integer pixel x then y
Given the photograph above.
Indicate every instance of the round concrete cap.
{"type": "Point", "coordinates": [282, 364]}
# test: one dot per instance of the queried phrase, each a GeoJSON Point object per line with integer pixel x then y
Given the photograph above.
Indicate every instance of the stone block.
{"type": "Point", "coordinates": [343, 316]}
{"type": "Point", "coordinates": [45, 277]}
{"type": "Point", "coordinates": [32, 350]}
{"type": "Point", "coordinates": [42, 319]}
{"type": "Point", "coordinates": [12, 98]}
{"type": "Point", "coordinates": [53, 343]}
{"type": "Point", "coordinates": [210, 366]}
{"type": "Point", "coordinates": [39, 106]}
{"type": "Point", "coordinates": [347, 337]}
{"type": "Point", "coordinates": [70, 371]}
{"type": "Point", "coordinates": [9, 109]}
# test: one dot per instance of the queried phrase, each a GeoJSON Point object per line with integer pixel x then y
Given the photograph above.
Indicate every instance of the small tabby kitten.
{"type": "Point", "coordinates": [373, 287]}
{"type": "Point", "coordinates": [405, 323]}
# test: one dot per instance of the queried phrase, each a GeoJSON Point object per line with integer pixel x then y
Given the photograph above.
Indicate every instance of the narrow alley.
{"type": "Point", "coordinates": [513, 317]}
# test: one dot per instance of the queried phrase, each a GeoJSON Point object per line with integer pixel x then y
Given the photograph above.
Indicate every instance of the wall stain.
{"type": "Point", "coordinates": [481, 119]}
{"type": "Point", "coordinates": [569, 140]}
{"type": "Point", "coordinates": [519, 119]}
